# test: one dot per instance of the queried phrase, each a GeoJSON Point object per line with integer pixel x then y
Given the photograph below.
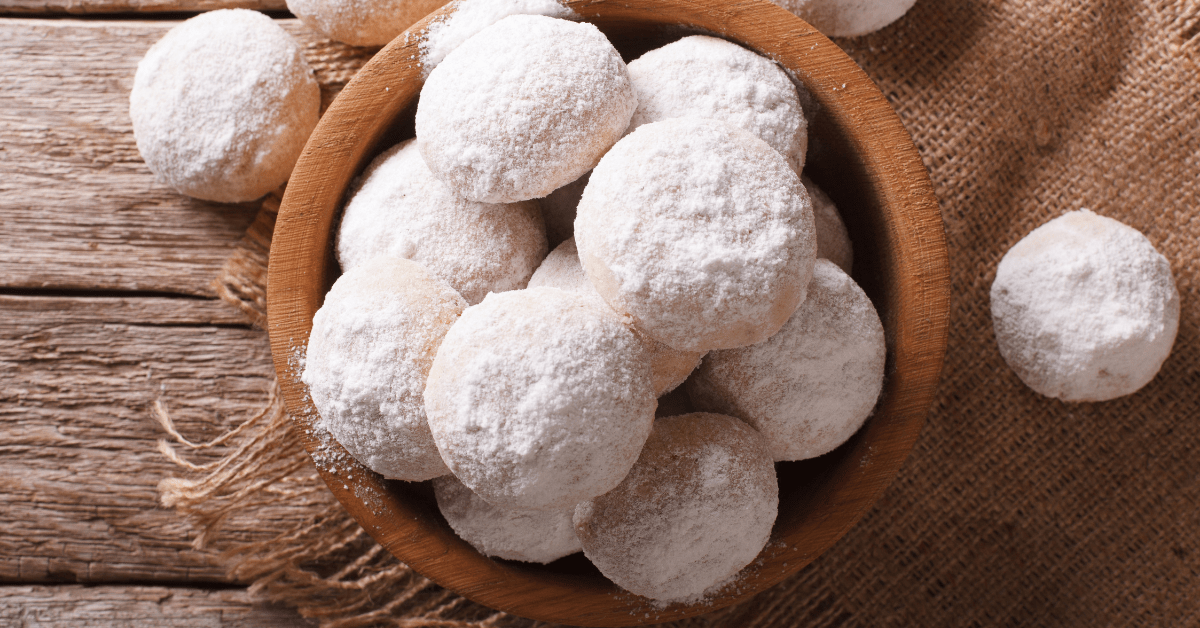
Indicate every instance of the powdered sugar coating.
{"type": "Point", "coordinates": [471, 16]}
{"type": "Point", "coordinates": [524, 107]}
{"type": "Point", "coordinates": [809, 387]}
{"type": "Point", "coordinates": [705, 77]}
{"type": "Point", "coordinates": [847, 18]}
{"type": "Point", "coordinates": [401, 209]}
{"type": "Point", "coordinates": [696, 508]}
{"type": "Point", "coordinates": [361, 22]}
{"type": "Point", "coordinates": [561, 269]}
{"type": "Point", "coordinates": [700, 231]}
{"type": "Point", "coordinates": [222, 106]}
{"type": "Point", "coordinates": [1084, 308]}
{"type": "Point", "coordinates": [372, 344]}
{"type": "Point", "coordinates": [558, 210]}
{"type": "Point", "coordinates": [833, 241]}
{"type": "Point", "coordinates": [538, 400]}
{"type": "Point", "coordinates": [535, 536]}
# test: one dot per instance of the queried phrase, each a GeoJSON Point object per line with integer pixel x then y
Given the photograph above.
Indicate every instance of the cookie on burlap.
{"type": "Point", "coordinates": [698, 230]}
{"type": "Point", "coordinates": [696, 508]}
{"type": "Point", "coordinates": [1084, 308]}
{"type": "Point", "coordinates": [222, 106]}
{"type": "Point", "coordinates": [372, 344]}
{"type": "Point", "coordinates": [535, 536]}
{"type": "Point", "coordinates": [526, 106]}
{"type": "Point", "coordinates": [538, 400]}
{"type": "Point", "coordinates": [809, 387]}
{"type": "Point", "coordinates": [401, 209]}
{"type": "Point", "coordinates": [561, 269]}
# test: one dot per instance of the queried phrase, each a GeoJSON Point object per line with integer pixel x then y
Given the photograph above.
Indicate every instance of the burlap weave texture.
{"type": "Point", "coordinates": [1014, 509]}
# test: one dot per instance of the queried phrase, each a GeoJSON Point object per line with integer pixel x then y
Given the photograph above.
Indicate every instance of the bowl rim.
{"type": "Point", "coordinates": [346, 138]}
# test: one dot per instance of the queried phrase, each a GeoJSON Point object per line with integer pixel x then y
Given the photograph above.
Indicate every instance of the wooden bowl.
{"type": "Point", "coordinates": [862, 156]}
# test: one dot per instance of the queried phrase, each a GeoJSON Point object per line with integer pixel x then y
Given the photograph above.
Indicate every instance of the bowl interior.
{"type": "Point", "coordinates": [859, 153]}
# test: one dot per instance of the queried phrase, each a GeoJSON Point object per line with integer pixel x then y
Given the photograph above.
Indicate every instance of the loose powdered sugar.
{"type": "Point", "coordinates": [706, 77]}
{"type": "Point", "coordinates": [696, 508]}
{"type": "Point", "coordinates": [222, 106]}
{"type": "Point", "coordinates": [847, 18]}
{"type": "Point", "coordinates": [536, 536]}
{"type": "Point", "coordinates": [700, 231]}
{"type": "Point", "coordinates": [471, 16]}
{"type": "Point", "coordinates": [361, 22]}
{"type": "Point", "coordinates": [1084, 308]}
{"type": "Point", "coordinates": [372, 344]}
{"type": "Point", "coordinates": [561, 269]}
{"type": "Point", "coordinates": [833, 242]}
{"type": "Point", "coordinates": [401, 209]}
{"type": "Point", "coordinates": [538, 400]}
{"type": "Point", "coordinates": [809, 387]}
{"type": "Point", "coordinates": [524, 107]}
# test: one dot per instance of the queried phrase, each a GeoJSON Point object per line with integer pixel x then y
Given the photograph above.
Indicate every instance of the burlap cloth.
{"type": "Point", "coordinates": [1012, 509]}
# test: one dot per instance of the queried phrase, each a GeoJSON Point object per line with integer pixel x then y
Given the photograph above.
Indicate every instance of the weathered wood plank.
{"type": "Point", "coordinates": [100, 7]}
{"type": "Point", "coordinates": [78, 206]}
{"type": "Point", "coordinates": [161, 607]}
{"type": "Point", "coordinates": [78, 463]}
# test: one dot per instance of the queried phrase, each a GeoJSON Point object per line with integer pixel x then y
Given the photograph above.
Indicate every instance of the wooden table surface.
{"type": "Point", "coordinates": [105, 308]}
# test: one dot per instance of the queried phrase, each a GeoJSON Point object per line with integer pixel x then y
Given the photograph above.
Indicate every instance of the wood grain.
{"type": "Point", "coordinates": [78, 464]}
{"type": "Point", "coordinates": [101, 7]}
{"type": "Point", "coordinates": [78, 207]}
{"type": "Point", "coordinates": [871, 169]}
{"type": "Point", "coordinates": [104, 607]}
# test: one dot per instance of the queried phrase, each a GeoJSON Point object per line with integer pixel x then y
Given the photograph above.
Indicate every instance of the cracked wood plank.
{"type": "Point", "coordinates": [163, 607]}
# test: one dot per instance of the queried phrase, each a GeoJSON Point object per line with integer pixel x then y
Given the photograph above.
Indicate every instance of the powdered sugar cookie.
{"type": "Point", "coordinates": [558, 210]}
{"type": "Point", "coordinates": [524, 107]}
{"type": "Point", "coordinates": [401, 209]}
{"type": "Point", "coordinates": [538, 400]}
{"type": "Point", "coordinates": [222, 106]}
{"type": "Point", "coordinates": [809, 387]}
{"type": "Point", "coordinates": [561, 269]}
{"type": "Point", "coordinates": [372, 344]}
{"type": "Point", "coordinates": [847, 18]}
{"type": "Point", "coordinates": [833, 242]}
{"type": "Point", "coordinates": [696, 508]}
{"type": "Point", "coordinates": [361, 22]}
{"type": "Point", "coordinates": [700, 231]}
{"type": "Point", "coordinates": [535, 536]}
{"type": "Point", "coordinates": [1084, 308]}
{"type": "Point", "coordinates": [706, 77]}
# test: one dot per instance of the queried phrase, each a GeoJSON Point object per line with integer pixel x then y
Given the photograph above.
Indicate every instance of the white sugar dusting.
{"type": "Point", "coordinates": [471, 16]}
{"type": "Point", "coordinates": [536, 536]}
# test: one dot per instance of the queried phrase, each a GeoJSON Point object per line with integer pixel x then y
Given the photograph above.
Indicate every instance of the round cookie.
{"type": "Point", "coordinates": [809, 387]}
{"type": "Point", "coordinates": [534, 536]}
{"type": "Point", "coordinates": [222, 106]}
{"type": "Point", "coordinates": [524, 107]}
{"type": "Point", "coordinates": [698, 230]}
{"type": "Point", "coordinates": [401, 209]}
{"type": "Point", "coordinates": [371, 347]}
{"type": "Point", "coordinates": [705, 77]}
{"type": "Point", "coordinates": [696, 508]}
{"type": "Point", "coordinates": [833, 241]}
{"type": "Point", "coordinates": [847, 18]}
{"type": "Point", "coordinates": [538, 400]}
{"type": "Point", "coordinates": [561, 269]}
{"type": "Point", "coordinates": [361, 22]}
{"type": "Point", "coordinates": [1084, 308]}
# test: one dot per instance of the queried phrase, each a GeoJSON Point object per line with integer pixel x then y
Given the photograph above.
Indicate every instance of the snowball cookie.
{"type": "Point", "coordinates": [809, 387]}
{"type": "Point", "coordinates": [700, 231]}
{"type": "Point", "coordinates": [1084, 308]}
{"type": "Point", "coordinates": [222, 106]}
{"type": "Point", "coordinates": [847, 18]}
{"type": "Point", "coordinates": [696, 508]}
{"type": "Point", "coordinates": [362, 22]}
{"type": "Point", "coordinates": [534, 536]}
{"type": "Point", "coordinates": [371, 346]}
{"type": "Point", "coordinates": [401, 209]}
{"type": "Point", "coordinates": [561, 269]}
{"type": "Point", "coordinates": [539, 400]}
{"type": "Point", "coordinates": [706, 77]}
{"type": "Point", "coordinates": [558, 211]}
{"type": "Point", "coordinates": [833, 241]}
{"type": "Point", "coordinates": [524, 107]}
